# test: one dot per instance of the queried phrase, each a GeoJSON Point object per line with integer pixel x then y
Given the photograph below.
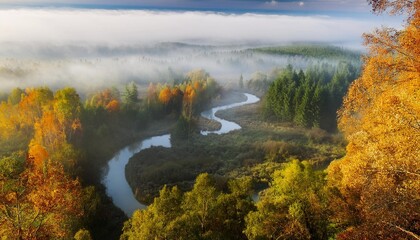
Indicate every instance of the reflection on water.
{"type": "Point", "coordinates": [116, 184]}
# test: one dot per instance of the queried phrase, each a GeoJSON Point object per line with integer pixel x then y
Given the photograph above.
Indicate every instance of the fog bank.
{"type": "Point", "coordinates": [89, 49]}
{"type": "Point", "coordinates": [133, 26]}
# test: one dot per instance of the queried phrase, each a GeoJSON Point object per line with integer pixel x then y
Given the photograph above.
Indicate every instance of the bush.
{"type": "Point", "coordinates": [317, 135]}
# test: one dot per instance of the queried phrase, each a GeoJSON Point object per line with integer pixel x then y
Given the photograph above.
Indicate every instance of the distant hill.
{"type": "Point", "coordinates": [316, 51]}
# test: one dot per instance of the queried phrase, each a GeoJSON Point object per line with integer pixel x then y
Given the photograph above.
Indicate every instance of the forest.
{"type": "Point", "coordinates": [310, 99]}
{"type": "Point", "coordinates": [330, 152]}
{"type": "Point", "coordinates": [320, 51]}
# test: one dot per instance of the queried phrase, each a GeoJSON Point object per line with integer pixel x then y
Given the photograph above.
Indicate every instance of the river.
{"type": "Point", "coordinates": [117, 187]}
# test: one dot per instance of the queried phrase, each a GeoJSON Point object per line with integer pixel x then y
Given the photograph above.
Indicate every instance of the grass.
{"type": "Point", "coordinates": [257, 150]}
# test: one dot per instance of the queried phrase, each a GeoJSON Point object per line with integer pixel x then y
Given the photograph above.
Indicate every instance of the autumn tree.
{"type": "Point", "coordinates": [15, 96]}
{"type": "Point", "coordinates": [377, 183]}
{"type": "Point", "coordinates": [165, 95]}
{"type": "Point", "coordinates": [38, 203]}
{"type": "Point", "coordinates": [14, 134]}
{"type": "Point", "coordinates": [32, 104]}
{"type": "Point", "coordinates": [151, 93]}
{"type": "Point", "coordinates": [188, 101]}
{"type": "Point", "coordinates": [82, 234]}
{"type": "Point", "coordinates": [294, 207]}
{"type": "Point", "coordinates": [108, 98]}
{"type": "Point", "coordinates": [113, 106]}
{"type": "Point", "coordinates": [67, 108]}
{"type": "Point", "coordinates": [205, 212]}
{"type": "Point", "coordinates": [177, 96]}
{"type": "Point", "coordinates": [155, 222]}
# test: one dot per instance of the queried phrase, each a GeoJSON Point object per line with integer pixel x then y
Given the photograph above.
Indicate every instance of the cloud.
{"type": "Point", "coordinates": [272, 3]}
{"type": "Point", "coordinates": [301, 4]}
{"type": "Point", "coordinates": [136, 26]}
{"type": "Point", "coordinates": [88, 49]}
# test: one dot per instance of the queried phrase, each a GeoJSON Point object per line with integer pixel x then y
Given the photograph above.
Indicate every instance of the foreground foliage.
{"type": "Point", "coordinates": [50, 140]}
{"type": "Point", "coordinates": [39, 197]}
{"type": "Point", "coordinates": [205, 212]}
{"type": "Point", "coordinates": [294, 207]}
{"type": "Point", "coordinates": [378, 182]}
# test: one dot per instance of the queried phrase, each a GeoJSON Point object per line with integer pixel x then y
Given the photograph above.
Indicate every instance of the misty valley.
{"type": "Point", "coordinates": [192, 134]}
{"type": "Point", "coordinates": [181, 137]}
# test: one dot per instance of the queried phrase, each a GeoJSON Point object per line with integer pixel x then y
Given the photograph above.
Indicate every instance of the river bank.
{"type": "Point", "coordinates": [114, 175]}
{"type": "Point", "coordinates": [257, 150]}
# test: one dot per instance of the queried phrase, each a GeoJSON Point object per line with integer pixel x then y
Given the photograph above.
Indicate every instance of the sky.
{"type": "Point", "coordinates": [193, 21]}
{"type": "Point", "coordinates": [120, 22]}
{"type": "Point", "coordinates": [303, 6]}
{"type": "Point", "coordinates": [139, 26]}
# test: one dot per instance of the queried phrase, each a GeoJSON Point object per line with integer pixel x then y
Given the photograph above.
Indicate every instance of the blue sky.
{"type": "Point", "coordinates": [281, 6]}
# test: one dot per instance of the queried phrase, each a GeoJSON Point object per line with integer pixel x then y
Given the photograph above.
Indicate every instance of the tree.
{"type": "Point", "coordinates": [156, 222]}
{"type": "Point", "coordinates": [188, 101]}
{"type": "Point", "coordinates": [165, 95]}
{"type": "Point", "coordinates": [241, 82]}
{"type": "Point", "coordinates": [377, 183]}
{"type": "Point", "coordinates": [232, 208]}
{"type": "Point", "coordinates": [67, 106]}
{"type": "Point", "coordinates": [15, 96]}
{"type": "Point", "coordinates": [31, 106]}
{"type": "Point", "coordinates": [151, 94]}
{"type": "Point", "coordinates": [82, 234]}
{"type": "Point", "coordinates": [294, 207]}
{"type": "Point", "coordinates": [108, 98]}
{"type": "Point", "coordinates": [113, 106]}
{"type": "Point", "coordinates": [394, 6]}
{"type": "Point", "coordinates": [130, 96]}
{"type": "Point", "coordinates": [205, 212]}
{"type": "Point", "coordinates": [309, 99]}
{"type": "Point", "coordinates": [39, 203]}
{"type": "Point", "coordinates": [177, 96]}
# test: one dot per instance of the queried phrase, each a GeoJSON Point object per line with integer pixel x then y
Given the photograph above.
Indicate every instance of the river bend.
{"type": "Point", "coordinates": [114, 179]}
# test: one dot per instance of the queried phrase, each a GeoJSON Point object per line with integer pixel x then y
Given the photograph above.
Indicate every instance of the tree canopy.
{"type": "Point", "coordinates": [377, 182]}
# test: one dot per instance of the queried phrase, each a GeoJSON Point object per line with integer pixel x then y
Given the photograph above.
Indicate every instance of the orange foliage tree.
{"type": "Point", "coordinates": [39, 203]}
{"type": "Point", "coordinates": [113, 106]}
{"type": "Point", "coordinates": [108, 99]}
{"type": "Point", "coordinates": [377, 183]}
{"type": "Point", "coordinates": [39, 200]}
{"type": "Point", "coordinates": [189, 97]}
{"type": "Point", "coordinates": [165, 95]}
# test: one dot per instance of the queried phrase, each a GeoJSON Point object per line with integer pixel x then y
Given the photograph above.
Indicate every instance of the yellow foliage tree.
{"type": "Point", "coordinates": [378, 181]}
{"type": "Point", "coordinates": [165, 95]}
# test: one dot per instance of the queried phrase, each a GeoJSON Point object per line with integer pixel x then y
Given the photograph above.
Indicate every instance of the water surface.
{"type": "Point", "coordinates": [227, 126]}
{"type": "Point", "coordinates": [114, 179]}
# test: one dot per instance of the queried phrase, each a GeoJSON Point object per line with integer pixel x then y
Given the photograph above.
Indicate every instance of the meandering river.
{"type": "Point", "coordinates": [114, 178]}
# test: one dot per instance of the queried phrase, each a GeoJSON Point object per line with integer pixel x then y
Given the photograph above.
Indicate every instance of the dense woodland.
{"type": "Point", "coordinates": [53, 145]}
{"type": "Point", "coordinates": [310, 99]}
{"type": "Point", "coordinates": [316, 51]}
{"type": "Point", "coordinates": [371, 193]}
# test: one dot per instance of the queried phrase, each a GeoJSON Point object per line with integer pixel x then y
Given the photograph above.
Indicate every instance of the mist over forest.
{"type": "Point", "coordinates": [216, 119]}
{"type": "Point", "coordinates": [90, 49]}
{"type": "Point", "coordinates": [91, 68]}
